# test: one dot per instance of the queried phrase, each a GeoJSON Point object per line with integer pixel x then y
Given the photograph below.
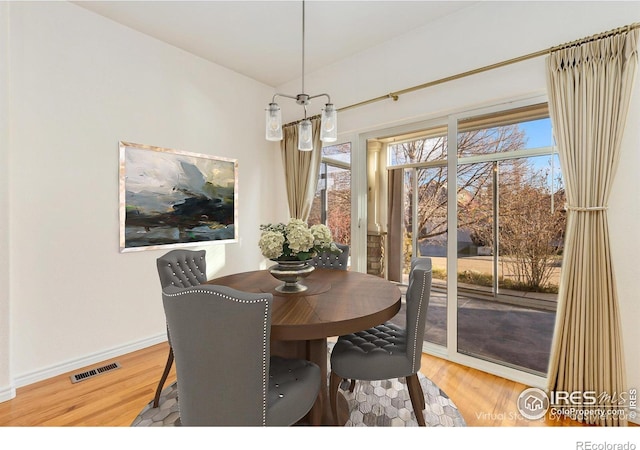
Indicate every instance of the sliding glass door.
{"type": "Point", "coordinates": [510, 227]}
{"type": "Point", "coordinates": [494, 233]}
{"type": "Point", "coordinates": [422, 159]}
{"type": "Point", "coordinates": [509, 255]}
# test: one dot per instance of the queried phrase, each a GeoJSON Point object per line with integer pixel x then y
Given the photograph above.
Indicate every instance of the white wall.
{"type": "Point", "coordinates": [478, 36]}
{"type": "Point", "coordinates": [5, 376]}
{"type": "Point", "coordinates": [79, 85]}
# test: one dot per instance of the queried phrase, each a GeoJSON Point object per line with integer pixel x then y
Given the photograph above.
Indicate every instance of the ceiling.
{"type": "Point", "coordinates": [263, 39]}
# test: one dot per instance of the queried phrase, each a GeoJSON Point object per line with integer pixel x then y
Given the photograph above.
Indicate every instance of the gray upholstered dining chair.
{"type": "Point", "coordinates": [327, 260]}
{"type": "Point", "coordinates": [181, 268]}
{"type": "Point", "coordinates": [388, 351]}
{"type": "Point", "coordinates": [228, 377]}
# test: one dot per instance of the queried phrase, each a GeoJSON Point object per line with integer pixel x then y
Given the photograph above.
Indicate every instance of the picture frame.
{"type": "Point", "coordinates": [172, 198]}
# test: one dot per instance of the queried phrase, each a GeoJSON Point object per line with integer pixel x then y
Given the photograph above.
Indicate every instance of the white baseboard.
{"type": "Point", "coordinates": [7, 393]}
{"type": "Point", "coordinates": [58, 369]}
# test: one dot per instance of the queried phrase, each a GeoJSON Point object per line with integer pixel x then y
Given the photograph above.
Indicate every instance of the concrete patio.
{"type": "Point", "coordinates": [499, 332]}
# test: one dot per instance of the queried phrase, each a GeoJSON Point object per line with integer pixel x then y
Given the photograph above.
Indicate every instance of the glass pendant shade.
{"type": "Point", "coordinates": [329, 124]}
{"type": "Point", "coordinates": [305, 136]}
{"type": "Point", "coordinates": [273, 120]}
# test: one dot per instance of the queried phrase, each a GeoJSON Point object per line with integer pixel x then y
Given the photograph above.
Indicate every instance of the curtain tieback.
{"type": "Point", "coordinates": [586, 208]}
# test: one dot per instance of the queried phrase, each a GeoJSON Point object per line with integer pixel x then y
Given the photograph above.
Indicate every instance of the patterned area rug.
{"type": "Point", "coordinates": [372, 403]}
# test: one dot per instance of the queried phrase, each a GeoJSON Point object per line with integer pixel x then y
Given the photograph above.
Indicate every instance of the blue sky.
{"type": "Point", "coordinates": [538, 133]}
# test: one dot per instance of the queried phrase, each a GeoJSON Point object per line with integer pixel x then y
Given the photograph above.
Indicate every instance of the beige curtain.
{"type": "Point", "coordinates": [589, 91]}
{"type": "Point", "coordinates": [395, 224]}
{"type": "Point", "coordinates": [301, 170]}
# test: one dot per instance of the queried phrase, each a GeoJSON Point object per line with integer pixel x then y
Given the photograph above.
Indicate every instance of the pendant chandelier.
{"type": "Point", "coordinates": [329, 117]}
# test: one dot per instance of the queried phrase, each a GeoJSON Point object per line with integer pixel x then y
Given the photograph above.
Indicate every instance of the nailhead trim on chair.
{"type": "Point", "coordinates": [265, 375]}
{"type": "Point", "coordinates": [415, 338]}
{"type": "Point", "coordinates": [327, 260]}
{"type": "Point", "coordinates": [265, 379]}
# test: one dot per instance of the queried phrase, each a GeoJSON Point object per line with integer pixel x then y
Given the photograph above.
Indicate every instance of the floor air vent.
{"type": "Point", "coordinates": [93, 372]}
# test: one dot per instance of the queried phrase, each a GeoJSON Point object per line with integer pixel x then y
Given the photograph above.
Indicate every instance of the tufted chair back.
{"type": "Point", "coordinates": [182, 268]}
{"type": "Point", "coordinates": [228, 378]}
{"type": "Point", "coordinates": [328, 260]}
{"type": "Point", "coordinates": [417, 301]}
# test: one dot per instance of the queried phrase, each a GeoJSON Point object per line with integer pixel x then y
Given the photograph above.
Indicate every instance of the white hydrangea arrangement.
{"type": "Point", "coordinates": [295, 240]}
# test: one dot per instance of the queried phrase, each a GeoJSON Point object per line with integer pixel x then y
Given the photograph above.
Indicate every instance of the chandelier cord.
{"type": "Point", "coordinates": [303, 32]}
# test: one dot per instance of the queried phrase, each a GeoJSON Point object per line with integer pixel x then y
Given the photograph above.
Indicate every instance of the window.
{"type": "Point", "coordinates": [510, 227]}
{"type": "Point", "coordinates": [332, 202]}
{"type": "Point", "coordinates": [426, 146]}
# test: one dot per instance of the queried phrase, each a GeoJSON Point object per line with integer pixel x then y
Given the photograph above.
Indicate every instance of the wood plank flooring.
{"type": "Point", "coordinates": [484, 400]}
{"type": "Point", "coordinates": [115, 398]}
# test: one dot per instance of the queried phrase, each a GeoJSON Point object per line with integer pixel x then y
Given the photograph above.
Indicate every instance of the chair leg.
{"type": "Point", "coordinates": [165, 374]}
{"type": "Point", "coordinates": [352, 384]}
{"type": "Point", "coordinates": [417, 398]}
{"type": "Point", "coordinates": [334, 383]}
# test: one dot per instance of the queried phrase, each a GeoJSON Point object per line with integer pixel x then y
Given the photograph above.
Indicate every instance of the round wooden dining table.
{"type": "Point", "coordinates": [336, 302]}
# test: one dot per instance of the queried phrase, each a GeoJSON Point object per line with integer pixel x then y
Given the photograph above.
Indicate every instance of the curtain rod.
{"type": "Point", "coordinates": [395, 95]}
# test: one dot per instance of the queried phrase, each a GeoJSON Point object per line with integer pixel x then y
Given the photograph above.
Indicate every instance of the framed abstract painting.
{"type": "Point", "coordinates": [171, 198]}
